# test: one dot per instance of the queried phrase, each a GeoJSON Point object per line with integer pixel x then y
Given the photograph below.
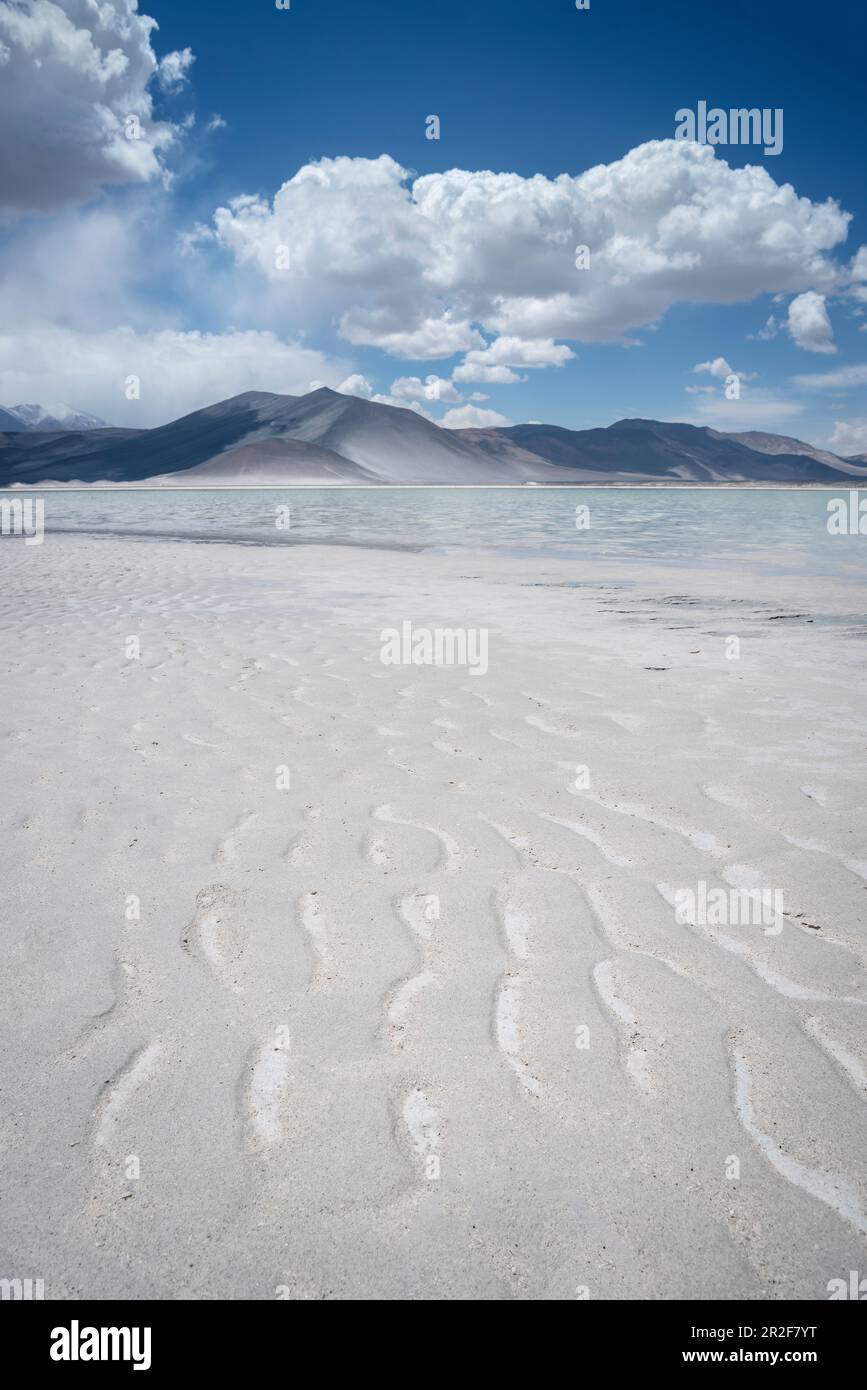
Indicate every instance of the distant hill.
{"type": "Point", "coordinates": [651, 451]}
{"type": "Point", "coordinates": [782, 444]}
{"type": "Point", "coordinates": [327, 437]}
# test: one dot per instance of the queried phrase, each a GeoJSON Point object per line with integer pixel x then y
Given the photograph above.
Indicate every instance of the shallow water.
{"type": "Point", "coordinates": [779, 531]}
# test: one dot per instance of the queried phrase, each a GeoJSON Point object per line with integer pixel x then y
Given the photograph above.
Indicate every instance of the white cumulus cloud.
{"type": "Point", "coordinates": [486, 376]}
{"type": "Point", "coordinates": [809, 324]}
{"type": "Point", "coordinates": [472, 417]}
{"type": "Point", "coordinates": [356, 385]}
{"type": "Point", "coordinates": [516, 352]}
{"type": "Point", "coordinates": [719, 367]}
{"type": "Point", "coordinates": [433, 388]}
{"type": "Point", "coordinates": [849, 437]}
{"type": "Point", "coordinates": [174, 69]}
{"type": "Point", "coordinates": [431, 264]}
{"type": "Point", "coordinates": [74, 88]}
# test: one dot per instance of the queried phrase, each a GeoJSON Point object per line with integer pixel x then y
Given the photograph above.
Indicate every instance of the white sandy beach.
{"type": "Point", "coordinates": [342, 1038]}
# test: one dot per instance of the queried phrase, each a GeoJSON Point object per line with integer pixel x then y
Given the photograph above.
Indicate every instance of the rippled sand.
{"type": "Point", "coordinates": [423, 1022]}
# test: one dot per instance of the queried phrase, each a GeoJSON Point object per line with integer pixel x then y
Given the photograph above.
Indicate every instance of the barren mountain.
{"type": "Point", "coordinates": [782, 444]}
{"type": "Point", "coordinates": [325, 437]}
{"type": "Point", "coordinates": [653, 451]}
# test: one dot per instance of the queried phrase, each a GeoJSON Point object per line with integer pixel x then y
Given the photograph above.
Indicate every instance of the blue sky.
{"type": "Point", "coordinates": [537, 90]}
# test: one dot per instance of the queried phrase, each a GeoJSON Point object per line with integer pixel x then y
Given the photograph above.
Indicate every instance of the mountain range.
{"type": "Point", "coordinates": [325, 437]}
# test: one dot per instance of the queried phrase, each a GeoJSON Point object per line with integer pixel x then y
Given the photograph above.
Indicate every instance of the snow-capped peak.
{"type": "Point", "coordinates": [58, 416]}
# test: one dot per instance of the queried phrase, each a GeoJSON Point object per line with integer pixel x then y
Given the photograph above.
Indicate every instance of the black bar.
{"type": "Point", "coordinates": [619, 1336]}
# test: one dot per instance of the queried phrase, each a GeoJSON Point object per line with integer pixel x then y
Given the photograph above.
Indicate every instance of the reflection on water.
{"type": "Point", "coordinates": [783, 531]}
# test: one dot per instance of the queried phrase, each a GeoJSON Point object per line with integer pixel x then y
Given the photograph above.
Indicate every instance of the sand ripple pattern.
{"type": "Point", "coordinates": [832, 1189]}
{"type": "Point", "coordinates": [420, 1021]}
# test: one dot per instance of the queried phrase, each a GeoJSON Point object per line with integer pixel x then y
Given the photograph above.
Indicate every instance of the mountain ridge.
{"type": "Point", "coordinates": [326, 437]}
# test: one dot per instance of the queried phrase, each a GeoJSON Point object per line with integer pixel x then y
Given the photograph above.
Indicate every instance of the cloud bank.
{"type": "Point", "coordinates": [429, 265]}
{"type": "Point", "coordinates": [75, 110]}
{"type": "Point", "coordinates": [508, 274]}
{"type": "Point", "coordinates": [178, 371]}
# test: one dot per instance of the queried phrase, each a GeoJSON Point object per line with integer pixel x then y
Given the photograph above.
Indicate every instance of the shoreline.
{"type": "Point", "coordinates": [424, 487]}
